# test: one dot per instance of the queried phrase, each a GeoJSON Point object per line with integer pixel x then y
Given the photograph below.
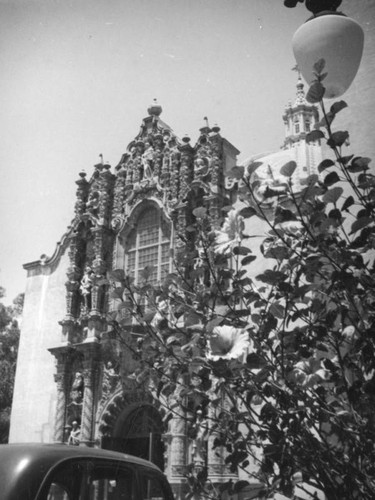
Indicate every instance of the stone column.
{"type": "Point", "coordinates": [177, 451]}
{"type": "Point", "coordinates": [58, 436]}
{"type": "Point", "coordinates": [87, 409]}
{"type": "Point", "coordinates": [63, 357]}
{"type": "Point", "coordinates": [91, 352]}
{"type": "Point", "coordinates": [186, 170]}
{"type": "Point", "coordinates": [178, 445]}
{"type": "Point", "coordinates": [218, 471]}
{"type": "Point", "coordinates": [215, 459]}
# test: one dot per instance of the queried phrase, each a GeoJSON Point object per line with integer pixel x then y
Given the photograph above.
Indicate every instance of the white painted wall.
{"type": "Point", "coordinates": [34, 398]}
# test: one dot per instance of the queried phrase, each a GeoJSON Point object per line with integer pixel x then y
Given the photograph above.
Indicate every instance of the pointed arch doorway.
{"type": "Point", "coordinates": [138, 432]}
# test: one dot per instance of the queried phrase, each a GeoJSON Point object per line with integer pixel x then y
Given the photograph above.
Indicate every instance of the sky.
{"type": "Point", "coordinates": [77, 77]}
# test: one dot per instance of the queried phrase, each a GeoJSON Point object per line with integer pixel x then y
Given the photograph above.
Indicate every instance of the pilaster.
{"type": "Point", "coordinates": [63, 357]}
{"type": "Point", "coordinates": [91, 360]}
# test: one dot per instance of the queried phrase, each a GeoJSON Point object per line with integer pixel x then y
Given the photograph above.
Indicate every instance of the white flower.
{"type": "Point", "coordinates": [231, 233]}
{"type": "Point", "coordinates": [228, 342]}
{"type": "Point", "coordinates": [310, 372]}
{"type": "Point", "coordinates": [291, 227]}
{"type": "Point", "coordinates": [277, 183]}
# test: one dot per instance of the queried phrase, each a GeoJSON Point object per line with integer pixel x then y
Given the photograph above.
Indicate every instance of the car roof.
{"type": "Point", "coordinates": [28, 464]}
{"type": "Point", "coordinates": [57, 452]}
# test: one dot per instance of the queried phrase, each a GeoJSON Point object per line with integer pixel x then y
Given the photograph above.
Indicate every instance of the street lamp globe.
{"type": "Point", "coordinates": [338, 40]}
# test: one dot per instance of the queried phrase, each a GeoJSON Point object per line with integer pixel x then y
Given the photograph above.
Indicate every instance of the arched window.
{"type": "Point", "coordinates": [148, 244]}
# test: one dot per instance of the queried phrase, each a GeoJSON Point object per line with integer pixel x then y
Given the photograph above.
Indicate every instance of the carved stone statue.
{"type": "Point", "coordinates": [110, 378]}
{"type": "Point", "coordinates": [93, 202]}
{"type": "Point", "coordinates": [76, 394]}
{"type": "Point", "coordinates": [86, 285]}
{"type": "Point", "coordinates": [200, 168]}
{"type": "Point", "coordinates": [147, 161]}
{"type": "Point", "coordinates": [75, 434]}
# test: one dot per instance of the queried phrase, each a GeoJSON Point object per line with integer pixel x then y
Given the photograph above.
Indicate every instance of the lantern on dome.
{"type": "Point", "coordinates": [337, 39]}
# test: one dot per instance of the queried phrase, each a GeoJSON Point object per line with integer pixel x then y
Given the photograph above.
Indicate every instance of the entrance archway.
{"type": "Point", "coordinates": [138, 432]}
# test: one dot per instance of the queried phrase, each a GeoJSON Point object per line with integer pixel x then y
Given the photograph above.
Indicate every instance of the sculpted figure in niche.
{"type": "Point", "coordinates": [92, 204]}
{"type": "Point", "coordinates": [86, 286]}
{"type": "Point", "coordinates": [75, 434]}
{"type": "Point", "coordinates": [200, 168]}
{"type": "Point", "coordinates": [147, 160]}
{"type": "Point", "coordinates": [110, 378]}
{"type": "Point", "coordinates": [76, 394]}
{"type": "Point", "coordinates": [159, 142]}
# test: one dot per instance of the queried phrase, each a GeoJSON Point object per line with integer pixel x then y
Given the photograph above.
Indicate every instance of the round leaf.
{"type": "Point", "coordinates": [248, 259]}
{"type": "Point", "coordinates": [271, 277]}
{"type": "Point", "coordinates": [326, 120]}
{"type": "Point", "coordinates": [315, 93]}
{"type": "Point", "coordinates": [348, 203]}
{"type": "Point", "coordinates": [332, 195]}
{"type": "Point", "coordinates": [277, 310]}
{"type": "Point", "coordinates": [345, 159]}
{"type": "Point", "coordinates": [254, 361]}
{"type": "Point", "coordinates": [338, 139]}
{"type": "Point", "coordinates": [237, 172]}
{"type": "Point", "coordinates": [241, 250]}
{"type": "Point", "coordinates": [319, 66]}
{"type": "Point", "coordinates": [288, 169]}
{"type": "Point", "coordinates": [247, 212]}
{"type": "Point", "coordinates": [359, 164]}
{"type": "Point", "coordinates": [331, 178]}
{"type": "Point", "coordinates": [310, 180]}
{"type": "Point", "coordinates": [253, 166]}
{"type": "Point", "coordinates": [325, 164]}
{"type": "Point", "coordinates": [360, 223]}
{"type": "Point", "coordinates": [314, 135]}
{"type": "Point", "coordinates": [335, 214]}
{"type": "Point", "coordinates": [338, 106]}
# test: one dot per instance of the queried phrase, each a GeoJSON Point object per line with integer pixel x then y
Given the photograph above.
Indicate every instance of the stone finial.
{"type": "Point", "coordinates": [154, 109]}
{"type": "Point", "coordinates": [206, 128]}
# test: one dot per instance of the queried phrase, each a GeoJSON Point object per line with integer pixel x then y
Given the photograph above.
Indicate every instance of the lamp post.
{"type": "Point", "coordinates": [332, 36]}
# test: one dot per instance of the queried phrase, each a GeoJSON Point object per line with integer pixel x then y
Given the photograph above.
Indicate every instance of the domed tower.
{"type": "Point", "coordinates": [301, 118]}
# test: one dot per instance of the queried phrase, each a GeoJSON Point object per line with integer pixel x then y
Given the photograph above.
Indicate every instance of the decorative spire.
{"type": "Point", "coordinates": [99, 166]}
{"type": "Point", "coordinates": [300, 99]}
{"type": "Point", "coordinates": [206, 128]}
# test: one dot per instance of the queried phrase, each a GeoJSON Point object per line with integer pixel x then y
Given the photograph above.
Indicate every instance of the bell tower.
{"type": "Point", "coordinates": [299, 119]}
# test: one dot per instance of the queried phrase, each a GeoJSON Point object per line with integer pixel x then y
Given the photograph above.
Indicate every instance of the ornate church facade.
{"type": "Point", "coordinates": [71, 385]}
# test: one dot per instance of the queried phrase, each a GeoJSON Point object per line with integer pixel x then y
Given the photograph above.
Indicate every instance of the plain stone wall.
{"type": "Point", "coordinates": [34, 398]}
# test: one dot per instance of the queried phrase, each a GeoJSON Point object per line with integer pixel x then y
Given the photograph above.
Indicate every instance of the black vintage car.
{"type": "Point", "coordinates": [61, 472]}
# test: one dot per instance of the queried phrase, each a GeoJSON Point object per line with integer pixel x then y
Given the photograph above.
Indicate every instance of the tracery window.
{"type": "Point", "coordinates": [148, 244]}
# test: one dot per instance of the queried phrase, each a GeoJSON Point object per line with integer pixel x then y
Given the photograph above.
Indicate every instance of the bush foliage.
{"type": "Point", "coordinates": [9, 337]}
{"type": "Point", "coordinates": [278, 365]}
